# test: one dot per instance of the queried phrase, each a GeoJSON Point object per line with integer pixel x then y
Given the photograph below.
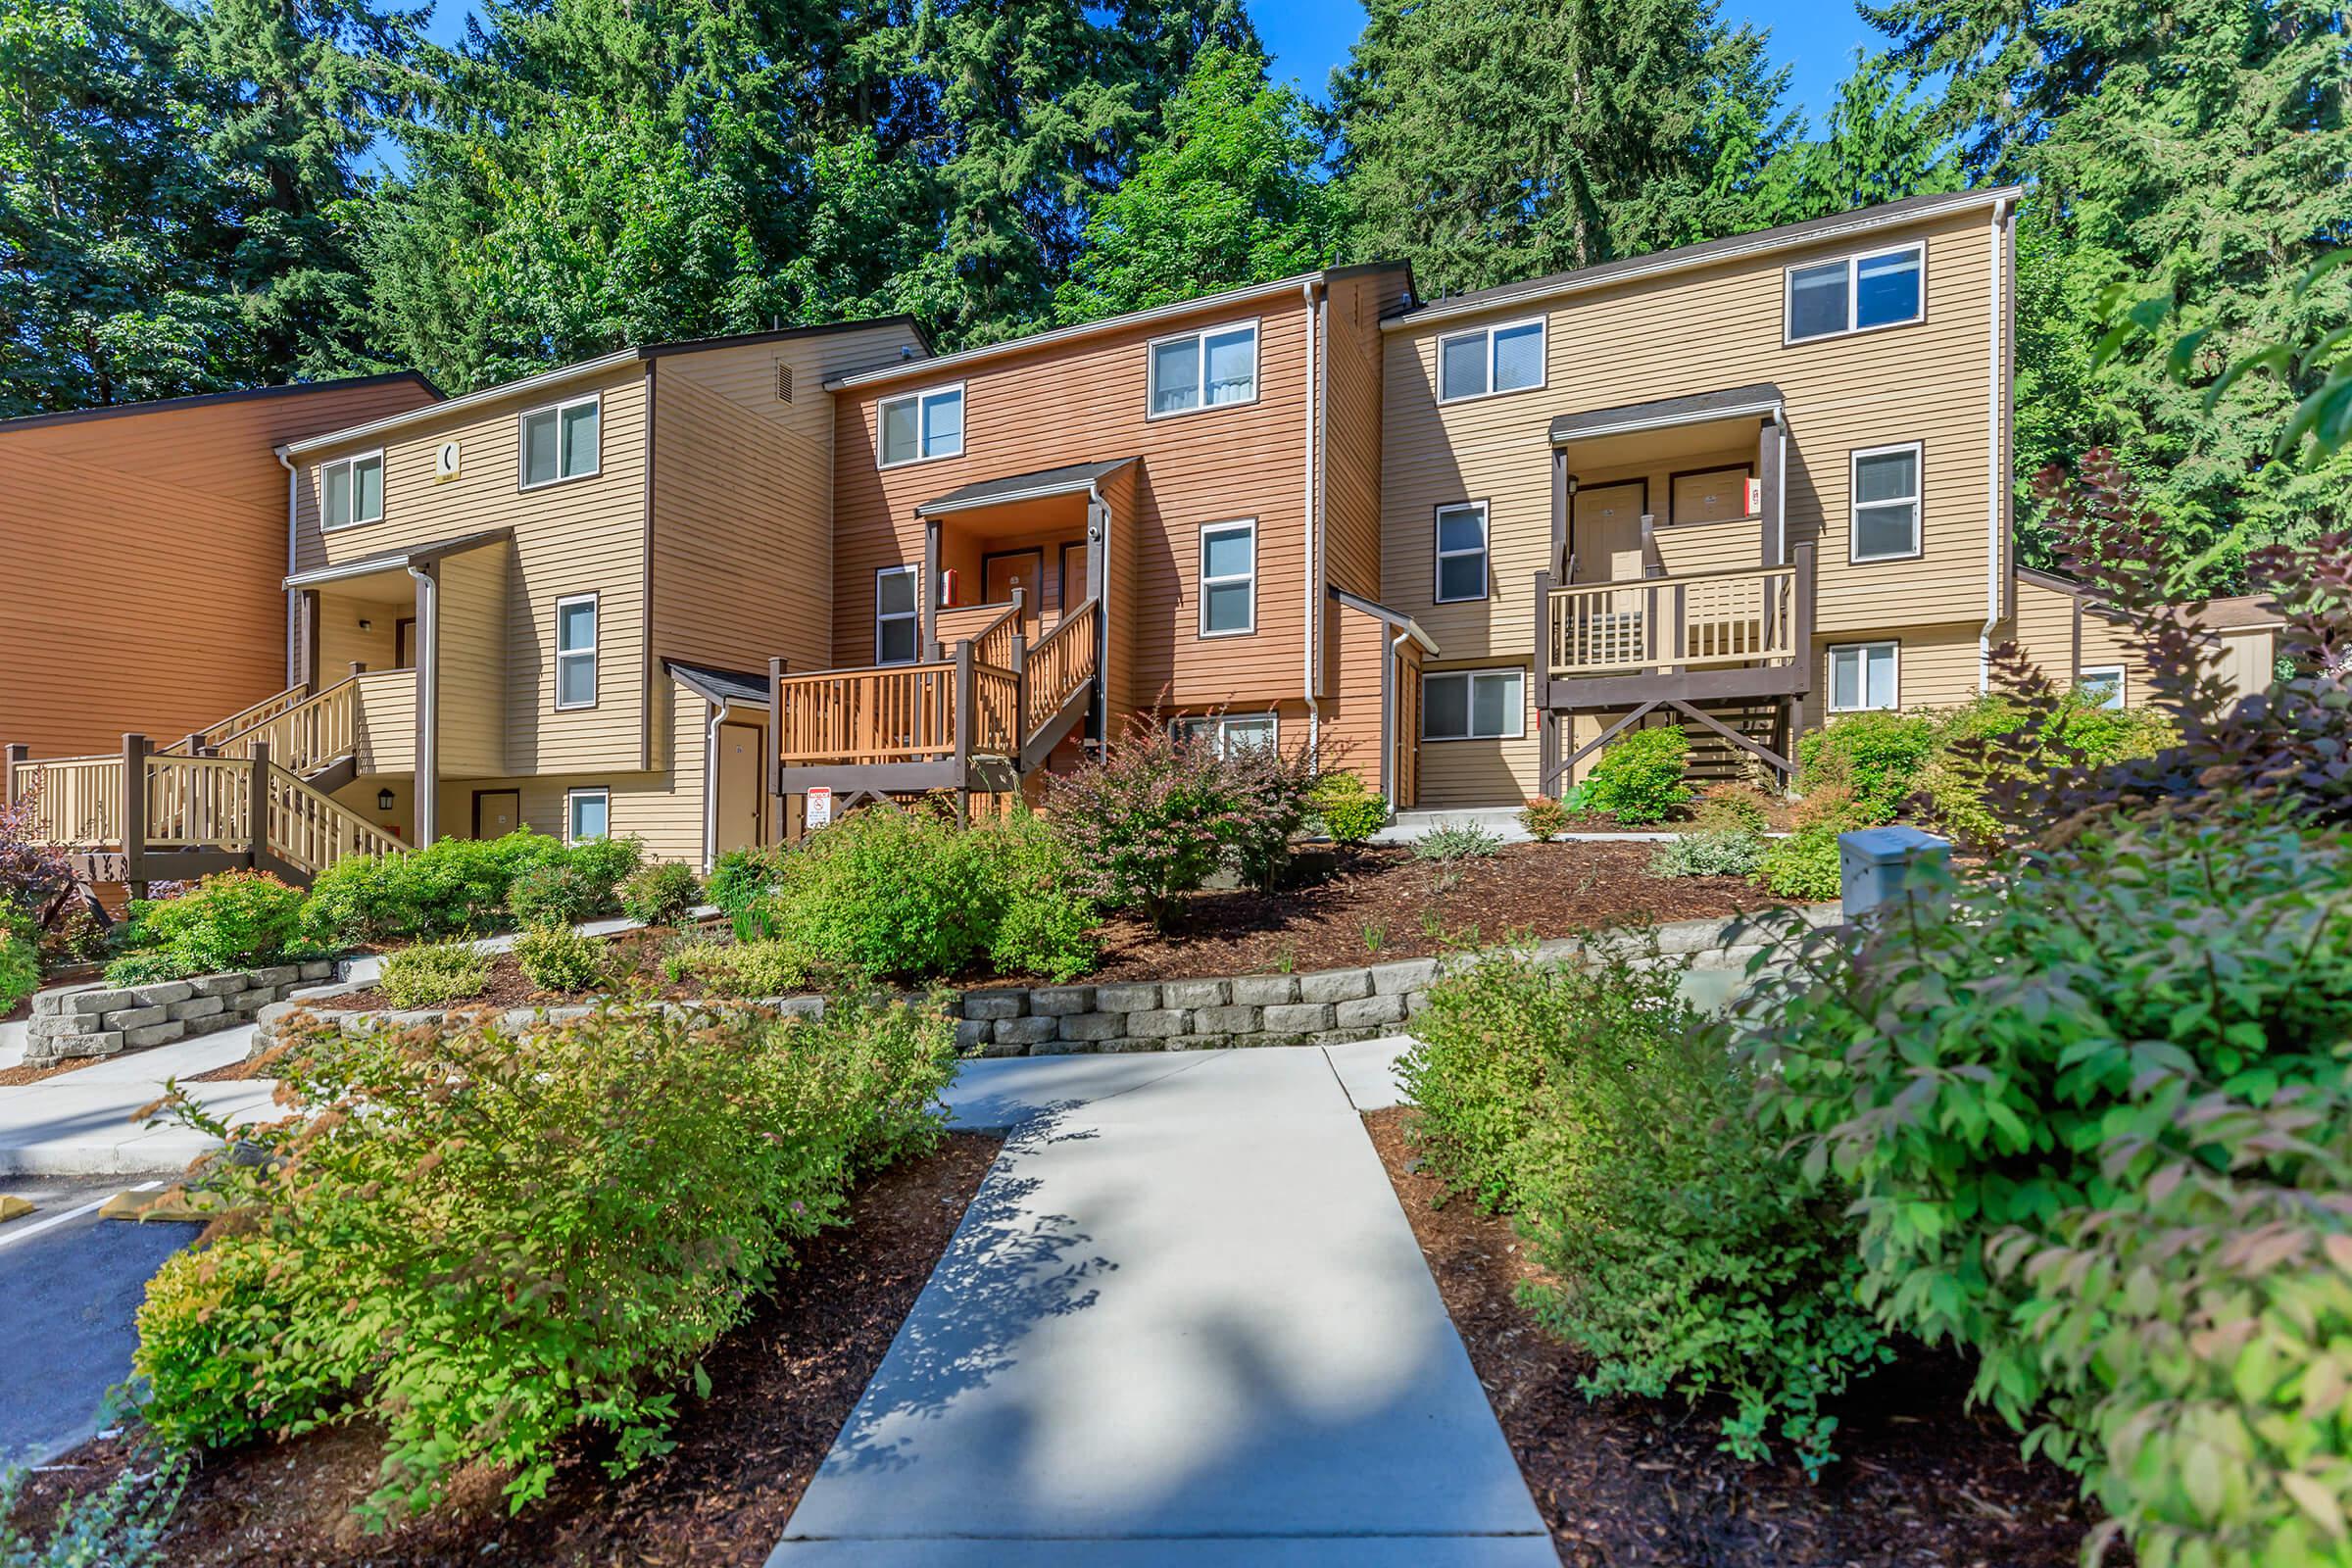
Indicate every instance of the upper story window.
{"type": "Point", "coordinates": [1885, 524]}
{"type": "Point", "coordinates": [1228, 579]}
{"type": "Point", "coordinates": [897, 620]}
{"type": "Point", "coordinates": [1863, 676]}
{"type": "Point", "coordinates": [922, 424]}
{"type": "Point", "coordinates": [575, 652]}
{"type": "Point", "coordinates": [352, 490]}
{"type": "Point", "coordinates": [1461, 552]}
{"type": "Point", "coordinates": [561, 442]}
{"type": "Point", "coordinates": [1204, 369]}
{"type": "Point", "coordinates": [1490, 358]}
{"type": "Point", "coordinates": [1856, 293]}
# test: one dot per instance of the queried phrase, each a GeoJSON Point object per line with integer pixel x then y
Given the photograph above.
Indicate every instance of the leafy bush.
{"type": "Point", "coordinates": [487, 1239]}
{"type": "Point", "coordinates": [1546, 819]}
{"type": "Point", "coordinates": [1641, 775]}
{"type": "Point", "coordinates": [1044, 923]}
{"type": "Point", "coordinates": [606, 863]}
{"type": "Point", "coordinates": [1732, 809]}
{"type": "Point", "coordinates": [32, 871]}
{"type": "Point", "coordinates": [232, 920]}
{"type": "Point", "coordinates": [1449, 842]}
{"type": "Point", "coordinates": [1349, 809]}
{"type": "Point", "coordinates": [121, 1527]}
{"type": "Point", "coordinates": [556, 896]}
{"type": "Point", "coordinates": [452, 887]}
{"type": "Point", "coordinates": [739, 885]}
{"type": "Point", "coordinates": [557, 957]}
{"type": "Point", "coordinates": [434, 972]}
{"type": "Point", "coordinates": [1804, 865]}
{"type": "Point", "coordinates": [20, 969]}
{"type": "Point", "coordinates": [1709, 853]}
{"type": "Point", "coordinates": [1996, 742]}
{"type": "Point", "coordinates": [887, 892]}
{"type": "Point", "coordinates": [738, 969]}
{"type": "Point", "coordinates": [1875, 759]}
{"type": "Point", "coordinates": [659, 893]}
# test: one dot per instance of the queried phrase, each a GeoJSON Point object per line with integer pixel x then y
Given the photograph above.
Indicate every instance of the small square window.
{"type": "Point", "coordinates": [1232, 732]}
{"type": "Point", "coordinates": [1855, 293]}
{"type": "Point", "coordinates": [1203, 370]}
{"type": "Point", "coordinates": [559, 443]}
{"type": "Point", "coordinates": [587, 814]}
{"type": "Point", "coordinates": [923, 426]}
{"type": "Point", "coordinates": [1461, 552]}
{"type": "Point", "coordinates": [352, 491]}
{"type": "Point", "coordinates": [1228, 579]}
{"type": "Point", "coordinates": [2103, 685]}
{"type": "Point", "coordinates": [1862, 677]}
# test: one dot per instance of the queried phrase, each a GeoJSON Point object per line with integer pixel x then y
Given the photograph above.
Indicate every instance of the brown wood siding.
{"type": "Point", "coordinates": [1356, 645]}
{"type": "Point", "coordinates": [1351, 432]}
{"type": "Point", "coordinates": [1122, 552]}
{"type": "Point", "coordinates": [1085, 401]}
{"type": "Point", "coordinates": [577, 536]}
{"type": "Point", "coordinates": [146, 550]}
{"type": "Point", "coordinates": [741, 498]}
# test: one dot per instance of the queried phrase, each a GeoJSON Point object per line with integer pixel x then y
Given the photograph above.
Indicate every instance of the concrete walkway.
{"type": "Point", "coordinates": [1184, 1322]}
{"type": "Point", "coordinates": [84, 1122]}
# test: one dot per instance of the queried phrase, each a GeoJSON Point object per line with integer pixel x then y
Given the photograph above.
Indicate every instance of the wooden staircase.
{"type": "Point", "coordinates": [1717, 761]}
{"type": "Point", "coordinates": [313, 735]}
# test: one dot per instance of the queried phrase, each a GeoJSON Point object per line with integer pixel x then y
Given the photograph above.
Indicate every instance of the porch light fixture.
{"type": "Point", "coordinates": [366, 624]}
{"type": "Point", "coordinates": [383, 799]}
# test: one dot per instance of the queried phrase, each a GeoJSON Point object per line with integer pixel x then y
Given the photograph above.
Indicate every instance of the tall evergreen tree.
{"type": "Point", "coordinates": [1484, 142]}
{"type": "Point", "coordinates": [1881, 142]}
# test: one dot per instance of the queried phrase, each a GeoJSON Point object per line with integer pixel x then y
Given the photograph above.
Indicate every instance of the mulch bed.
{"type": "Point", "coordinates": [1921, 1480]}
{"type": "Point", "coordinates": [509, 987]}
{"type": "Point", "coordinates": [781, 1386]}
{"type": "Point", "coordinates": [25, 1072]}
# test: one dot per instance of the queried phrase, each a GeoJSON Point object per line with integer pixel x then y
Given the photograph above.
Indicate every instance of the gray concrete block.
{"type": "Point", "coordinates": [198, 1008]}
{"type": "Point", "coordinates": [278, 974]}
{"type": "Point", "coordinates": [155, 1034]}
{"type": "Point", "coordinates": [1416, 1003]}
{"type": "Point", "coordinates": [1265, 990]}
{"type": "Point", "coordinates": [1204, 1041]}
{"type": "Point", "coordinates": [1369, 1012]}
{"type": "Point", "coordinates": [800, 1007]}
{"type": "Point", "coordinates": [165, 992]}
{"type": "Point", "coordinates": [318, 969]}
{"type": "Point", "coordinates": [972, 1033]}
{"type": "Point", "coordinates": [105, 1043]}
{"type": "Point", "coordinates": [1126, 997]}
{"type": "Point", "coordinates": [208, 1026]}
{"type": "Point", "coordinates": [1225, 1020]}
{"type": "Point", "coordinates": [1335, 985]}
{"type": "Point", "coordinates": [218, 985]}
{"type": "Point", "coordinates": [1159, 1023]}
{"type": "Point", "coordinates": [1297, 1019]}
{"type": "Point", "coordinates": [1025, 1031]}
{"type": "Point", "coordinates": [1195, 993]}
{"type": "Point", "coordinates": [56, 1026]}
{"type": "Point", "coordinates": [1059, 1002]}
{"type": "Point", "coordinates": [1410, 974]}
{"type": "Point", "coordinates": [135, 1018]}
{"type": "Point", "coordinates": [1092, 1026]}
{"type": "Point", "coordinates": [88, 1002]}
{"type": "Point", "coordinates": [1002, 1003]}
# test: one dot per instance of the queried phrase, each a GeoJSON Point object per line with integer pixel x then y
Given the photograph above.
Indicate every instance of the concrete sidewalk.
{"type": "Point", "coordinates": [1184, 1322]}
{"type": "Point", "coordinates": [84, 1122]}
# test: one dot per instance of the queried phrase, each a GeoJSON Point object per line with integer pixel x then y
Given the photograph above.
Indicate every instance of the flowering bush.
{"type": "Point", "coordinates": [1546, 819]}
{"type": "Point", "coordinates": [32, 874]}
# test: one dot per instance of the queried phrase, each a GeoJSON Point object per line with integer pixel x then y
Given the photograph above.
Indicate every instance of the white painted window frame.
{"type": "Point", "coordinates": [920, 399]}
{"type": "Point", "coordinates": [1893, 647]}
{"type": "Point", "coordinates": [596, 637]}
{"type": "Point", "coordinates": [1216, 724]}
{"type": "Point", "coordinates": [1542, 326]}
{"type": "Point", "coordinates": [1230, 525]}
{"type": "Point", "coordinates": [1201, 336]}
{"type": "Point", "coordinates": [1468, 677]}
{"type": "Point", "coordinates": [2123, 680]}
{"type": "Point", "coordinates": [578, 792]}
{"type": "Point", "coordinates": [913, 574]}
{"type": "Point", "coordinates": [1854, 293]}
{"type": "Point", "coordinates": [522, 442]}
{"type": "Point", "coordinates": [1485, 553]}
{"type": "Point", "coordinates": [1854, 502]}
{"type": "Point", "coordinates": [351, 465]}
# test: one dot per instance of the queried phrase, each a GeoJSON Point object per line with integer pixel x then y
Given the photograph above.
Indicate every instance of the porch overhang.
{"type": "Point", "coordinates": [1073, 479]}
{"type": "Point", "coordinates": [728, 688]}
{"type": "Point", "coordinates": [400, 559]}
{"type": "Point", "coordinates": [1756, 401]}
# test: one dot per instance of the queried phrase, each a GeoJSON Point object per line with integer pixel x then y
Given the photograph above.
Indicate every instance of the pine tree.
{"type": "Point", "coordinates": [1880, 143]}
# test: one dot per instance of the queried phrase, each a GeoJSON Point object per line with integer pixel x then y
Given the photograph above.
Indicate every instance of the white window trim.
{"type": "Point", "coordinates": [573, 793]}
{"type": "Point", "coordinates": [1853, 294]}
{"type": "Point", "coordinates": [1205, 581]}
{"type": "Point", "coordinates": [325, 469]}
{"type": "Point", "coordinates": [882, 409]}
{"type": "Point", "coordinates": [1828, 671]}
{"type": "Point", "coordinates": [1201, 336]}
{"type": "Point", "coordinates": [1216, 724]}
{"type": "Point", "coordinates": [1542, 326]}
{"type": "Point", "coordinates": [1518, 729]}
{"type": "Point", "coordinates": [2123, 681]}
{"type": "Point", "coordinates": [591, 652]}
{"type": "Point", "coordinates": [523, 450]}
{"type": "Point", "coordinates": [1855, 503]}
{"type": "Point", "coordinates": [1485, 553]}
{"type": "Point", "coordinates": [915, 615]}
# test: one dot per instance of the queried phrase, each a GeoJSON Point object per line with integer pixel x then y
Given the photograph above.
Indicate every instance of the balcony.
{"type": "Point", "coordinates": [1704, 636]}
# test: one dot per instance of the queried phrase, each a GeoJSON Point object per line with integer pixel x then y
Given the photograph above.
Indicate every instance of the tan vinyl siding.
{"type": "Point", "coordinates": [471, 705]}
{"type": "Point", "coordinates": [1935, 666]}
{"type": "Point", "coordinates": [576, 536]}
{"type": "Point", "coordinates": [2044, 626]}
{"type": "Point", "coordinates": [149, 544]}
{"type": "Point", "coordinates": [1490, 771]}
{"type": "Point", "coordinates": [386, 727]}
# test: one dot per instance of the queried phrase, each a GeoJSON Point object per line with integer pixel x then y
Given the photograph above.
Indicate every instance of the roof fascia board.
{"type": "Point", "coordinates": [1669, 421]}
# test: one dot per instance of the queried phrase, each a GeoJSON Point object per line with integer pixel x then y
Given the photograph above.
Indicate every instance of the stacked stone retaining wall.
{"type": "Point", "coordinates": [100, 1021]}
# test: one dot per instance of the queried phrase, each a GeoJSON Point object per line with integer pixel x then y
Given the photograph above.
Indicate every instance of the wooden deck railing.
{"type": "Point", "coordinates": [1063, 662]}
{"type": "Point", "coordinates": [991, 629]}
{"type": "Point", "coordinates": [198, 802]}
{"type": "Point", "coordinates": [74, 802]}
{"type": "Point", "coordinates": [310, 831]}
{"type": "Point", "coordinates": [891, 713]}
{"type": "Point", "coordinates": [1751, 614]}
{"type": "Point", "coordinates": [309, 734]}
{"type": "Point", "coordinates": [239, 722]}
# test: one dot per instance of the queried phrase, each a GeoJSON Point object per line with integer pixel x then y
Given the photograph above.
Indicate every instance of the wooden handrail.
{"type": "Point", "coordinates": [309, 735]}
{"type": "Point", "coordinates": [1737, 616]}
{"type": "Point", "coordinates": [242, 721]}
{"type": "Point", "coordinates": [312, 831]}
{"type": "Point", "coordinates": [1061, 662]}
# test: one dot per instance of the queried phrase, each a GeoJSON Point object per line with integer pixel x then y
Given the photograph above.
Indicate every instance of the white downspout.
{"type": "Point", "coordinates": [293, 595]}
{"type": "Point", "coordinates": [1312, 513]}
{"type": "Point", "coordinates": [427, 791]}
{"type": "Point", "coordinates": [1391, 717]}
{"type": "Point", "coordinates": [1996, 482]}
{"type": "Point", "coordinates": [718, 716]}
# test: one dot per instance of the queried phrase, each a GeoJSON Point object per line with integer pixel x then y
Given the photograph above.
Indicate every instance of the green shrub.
{"type": "Point", "coordinates": [1704, 854]}
{"type": "Point", "coordinates": [20, 971]}
{"type": "Point", "coordinates": [122, 1526]}
{"type": "Point", "coordinates": [739, 885]}
{"type": "Point", "coordinates": [556, 895]}
{"type": "Point", "coordinates": [1349, 809]}
{"type": "Point", "coordinates": [738, 969]}
{"type": "Point", "coordinates": [1877, 759]}
{"type": "Point", "coordinates": [1044, 924]}
{"type": "Point", "coordinates": [1641, 775]}
{"type": "Point", "coordinates": [1449, 842]}
{"type": "Point", "coordinates": [1989, 743]}
{"type": "Point", "coordinates": [452, 887]}
{"type": "Point", "coordinates": [1546, 819]}
{"type": "Point", "coordinates": [232, 920]}
{"type": "Point", "coordinates": [606, 863]}
{"type": "Point", "coordinates": [887, 894]}
{"type": "Point", "coordinates": [432, 973]}
{"type": "Point", "coordinates": [1732, 809]}
{"type": "Point", "coordinates": [557, 957]}
{"type": "Point", "coordinates": [659, 893]}
{"type": "Point", "coordinates": [554, 1249]}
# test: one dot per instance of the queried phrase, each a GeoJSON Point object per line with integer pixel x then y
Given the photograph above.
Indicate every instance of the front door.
{"type": "Point", "coordinates": [496, 813]}
{"type": "Point", "coordinates": [742, 818]}
{"type": "Point", "coordinates": [1606, 538]}
{"type": "Point", "coordinates": [1073, 576]}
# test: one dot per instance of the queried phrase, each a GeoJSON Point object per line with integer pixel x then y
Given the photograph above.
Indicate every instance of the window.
{"type": "Point", "coordinates": [2103, 685]}
{"type": "Point", "coordinates": [1885, 502]}
{"type": "Point", "coordinates": [353, 491]}
{"type": "Point", "coordinates": [1461, 552]}
{"type": "Point", "coordinates": [922, 424]}
{"type": "Point", "coordinates": [559, 443]}
{"type": "Point", "coordinates": [1855, 293]}
{"type": "Point", "coordinates": [1473, 704]}
{"type": "Point", "coordinates": [1232, 732]}
{"type": "Point", "coordinates": [1490, 358]}
{"type": "Point", "coordinates": [575, 652]}
{"type": "Point", "coordinates": [587, 814]}
{"type": "Point", "coordinates": [1204, 369]}
{"type": "Point", "coordinates": [897, 621]}
{"type": "Point", "coordinates": [1862, 676]}
{"type": "Point", "coordinates": [1228, 579]}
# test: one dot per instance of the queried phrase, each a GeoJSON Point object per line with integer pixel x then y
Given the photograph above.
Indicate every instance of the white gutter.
{"type": "Point", "coordinates": [426, 790]}
{"type": "Point", "coordinates": [1313, 499]}
{"type": "Point", "coordinates": [718, 716]}
{"type": "Point", "coordinates": [1996, 482]}
{"type": "Point", "coordinates": [293, 596]}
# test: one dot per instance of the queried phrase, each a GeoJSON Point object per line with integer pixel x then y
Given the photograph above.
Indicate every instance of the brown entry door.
{"type": "Point", "coordinates": [742, 820]}
{"type": "Point", "coordinates": [1024, 570]}
{"type": "Point", "coordinates": [1073, 576]}
{"type": "Point", "coordinates": [496, 813]}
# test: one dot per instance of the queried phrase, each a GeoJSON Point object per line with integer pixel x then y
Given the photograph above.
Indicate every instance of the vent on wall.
{"type": "Point", "coordinates": [783, 383]}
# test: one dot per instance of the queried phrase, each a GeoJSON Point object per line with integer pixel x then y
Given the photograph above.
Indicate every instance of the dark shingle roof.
{"type": "Point", "coordinates": [720, 685]}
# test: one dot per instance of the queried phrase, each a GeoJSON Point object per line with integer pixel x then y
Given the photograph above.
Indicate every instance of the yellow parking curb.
{"type": "Point", "coordinates": [171, 1203]}
{"type": "Point", "coordinates": [12, 1208]}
